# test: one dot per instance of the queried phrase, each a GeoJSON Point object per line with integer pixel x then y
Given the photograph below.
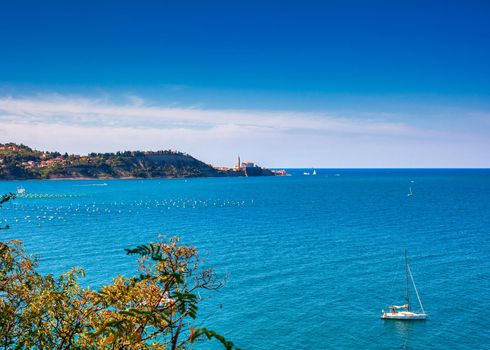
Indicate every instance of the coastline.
{"type": "Point", "coordinates": [20, 162]}
{"type": "Point", "coordinates": [131, 178]}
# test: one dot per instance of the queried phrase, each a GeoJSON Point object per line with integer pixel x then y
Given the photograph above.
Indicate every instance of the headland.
{"type": "Point", "coordinates": [20, 162]}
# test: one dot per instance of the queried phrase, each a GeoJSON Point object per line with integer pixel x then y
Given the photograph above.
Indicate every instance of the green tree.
{"type": "Point", "coordinates": [155, 309]}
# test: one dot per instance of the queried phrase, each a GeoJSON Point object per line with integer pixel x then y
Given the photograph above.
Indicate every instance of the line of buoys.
{"type": "Point", "coordinates": [46, 195]}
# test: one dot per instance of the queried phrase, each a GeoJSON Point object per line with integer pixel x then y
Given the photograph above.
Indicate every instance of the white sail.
{"type": "Point", "coordinates": [415, 288]}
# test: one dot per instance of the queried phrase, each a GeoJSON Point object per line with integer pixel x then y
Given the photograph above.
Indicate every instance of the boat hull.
{"type": "Point", "coordinates": [403, 316]}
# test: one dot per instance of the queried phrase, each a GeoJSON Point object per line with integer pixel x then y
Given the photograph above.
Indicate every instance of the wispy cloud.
{"type": "Point", "coordinates": [81, 124]}
{"type": "Point", "coordinates": [58, 109]}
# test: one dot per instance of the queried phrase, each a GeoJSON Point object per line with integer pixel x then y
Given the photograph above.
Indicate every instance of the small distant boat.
{"type": "Point", "coordinates": [410, 193]}
{"type": "Point", "coordinates": [314, 172]}
{"type": "Point", "coordinates": [21, 190]}
{"type": "Point", "coordinates": [403, 312]}
{"type": "Point", "coordinates": [306, 173]}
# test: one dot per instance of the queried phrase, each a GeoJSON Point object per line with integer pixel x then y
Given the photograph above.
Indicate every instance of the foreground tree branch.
{"type": "Point", "coordinates": [155, 309]}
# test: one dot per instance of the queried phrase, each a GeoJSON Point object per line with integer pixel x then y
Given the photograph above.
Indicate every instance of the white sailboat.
{"type": "Point", "coordinates": [314, 172]}
{"type": "Point", "coordinates": [410, 193]}
{"type": "Point", "coordinates": [403, 312]}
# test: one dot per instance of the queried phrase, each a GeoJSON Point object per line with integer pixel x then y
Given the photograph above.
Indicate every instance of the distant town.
{"type": "Point", "coordinates": [247, 168]}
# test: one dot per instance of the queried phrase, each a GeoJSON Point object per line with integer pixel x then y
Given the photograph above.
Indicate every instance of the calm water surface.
{"type": "Point", "coordinates": [311, 260]}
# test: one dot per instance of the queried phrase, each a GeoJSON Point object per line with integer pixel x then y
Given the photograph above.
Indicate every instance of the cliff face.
{"type": "Point", "coordinates": [257, 171]}
{"type": "Point", "coordinates": [22, 162]}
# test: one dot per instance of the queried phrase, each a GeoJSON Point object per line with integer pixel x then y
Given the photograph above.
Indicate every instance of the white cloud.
{"type": "Point", "coordinates": [55, 109]}
{"type": "Point", "coordinates": [273, 138]}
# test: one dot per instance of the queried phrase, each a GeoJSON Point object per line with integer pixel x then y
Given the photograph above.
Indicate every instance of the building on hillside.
{"type": "Point", "coordinates": [242, 165]}
{"type": "Point", "coordinates": [238, 165]}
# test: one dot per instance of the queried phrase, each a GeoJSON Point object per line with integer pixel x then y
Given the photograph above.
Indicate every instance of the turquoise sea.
{"type": "Point", "coordinates": [310, 260]}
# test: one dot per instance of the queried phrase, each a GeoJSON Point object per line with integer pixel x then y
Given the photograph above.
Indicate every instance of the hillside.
{"type": "Point", "coordinates": [20, 162]}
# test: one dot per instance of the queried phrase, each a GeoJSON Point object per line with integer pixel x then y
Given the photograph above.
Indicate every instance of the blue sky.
{"type": "Point", "coordinates": [284, 83]}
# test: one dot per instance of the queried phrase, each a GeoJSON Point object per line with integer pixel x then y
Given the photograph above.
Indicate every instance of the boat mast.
{"type": "Point", "coordinates": [406, 280]}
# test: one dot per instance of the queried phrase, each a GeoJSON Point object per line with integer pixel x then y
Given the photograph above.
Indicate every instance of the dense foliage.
{"type": "Point", "coordinates": [22, 162]}
{"type": "Point", "coordinates": [153, 310]}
